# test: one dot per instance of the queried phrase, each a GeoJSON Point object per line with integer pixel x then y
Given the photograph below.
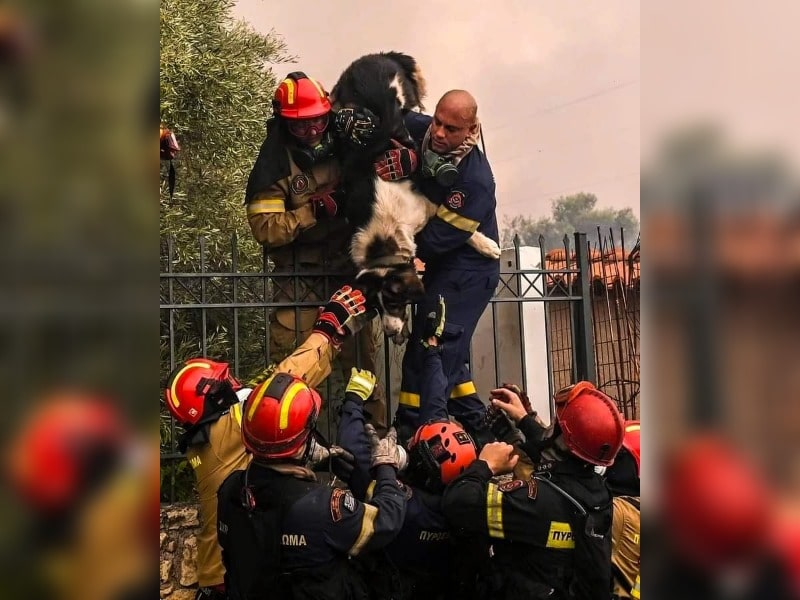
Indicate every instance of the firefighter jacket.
{"type": "Point", "coordinates": [281, 217]}
{"type": "Point", "coordinates": [463, 208]}
{"type": "Point", "coordinates": [625, 552]}
{"type": "Point", "coordinates": [311, 361]}
{"type": "Point", "coordinates": [285, 535]}
{"type": "Point", "coordinates": [223, 452]}
{"type": "Point", "coordinates": [212, 463]}
{"type": "Point", "coordinates": [528, 523]}
{"type": "Point", "coordinates": [420, 561]}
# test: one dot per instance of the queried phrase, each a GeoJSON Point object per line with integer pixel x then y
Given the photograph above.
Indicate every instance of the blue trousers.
{"type": "Point", "coordinates": [466, 295]}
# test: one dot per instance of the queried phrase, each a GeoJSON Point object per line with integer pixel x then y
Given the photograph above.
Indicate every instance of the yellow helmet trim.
{"type": "Point", "coordinates": [172, 397]}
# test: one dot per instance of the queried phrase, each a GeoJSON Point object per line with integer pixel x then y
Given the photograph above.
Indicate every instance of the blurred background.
{"type": "Point", "coordinates": [78, 336]}
{"type": "Point", "coordinates": [720, 211]}
{"type": "Point", "coordinates": [720, 205]}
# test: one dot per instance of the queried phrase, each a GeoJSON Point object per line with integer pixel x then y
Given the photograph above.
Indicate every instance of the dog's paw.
{"type": "Point", "coordinates": [485, 245]}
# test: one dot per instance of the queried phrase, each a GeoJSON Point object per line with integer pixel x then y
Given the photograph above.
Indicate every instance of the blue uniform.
{"type": "Point", "coordinates": [464, 277]}
{"type": "Point", "coordinates": [420, 561]}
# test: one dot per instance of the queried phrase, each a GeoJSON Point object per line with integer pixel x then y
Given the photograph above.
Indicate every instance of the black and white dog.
{"type": "Point", "coordinates": [387, 215]}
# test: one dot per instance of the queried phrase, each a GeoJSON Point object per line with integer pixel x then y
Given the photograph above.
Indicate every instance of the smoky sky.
{"type": "Point", "coordinates": [557, 84]}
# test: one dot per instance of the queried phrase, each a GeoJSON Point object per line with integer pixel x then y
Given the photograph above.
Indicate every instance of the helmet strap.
{"type": "Point", "coordinates": [248, 499]}
{"type": "Point", "coordinates": [424, 463]}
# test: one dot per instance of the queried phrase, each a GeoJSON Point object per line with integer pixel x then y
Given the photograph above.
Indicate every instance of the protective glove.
{"type": "Point", "coordinates": [324, 206]}
{"type": "Point", "coordinates": [336, 458]}
{"type": "Point", "coordinates": [362, 383]}
{"type": "Point", "coordinates": [398, 163]}
{"type": "Point", "coordinates": [385, 451]}
{"type": "Point", "coordinates": [339, 317]}
{"type": "Point", "coordinates": [502, 427]}
{"type": "Point", "coordinates": [356, 125]}
{"type": "Point", "coordinates": [526, 402]}
{"type": "Point", "coordinates": [434, 323]}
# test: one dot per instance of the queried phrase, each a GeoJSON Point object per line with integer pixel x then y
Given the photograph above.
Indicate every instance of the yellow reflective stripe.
{"type": "Point", "coordinates": [367, 529]}
{"type": "Point", "coordinates": [560, 536]}
{"type": "Point", "coordinates": [632, 427]}
{"type": "Point", "coordinates": [286, 403]}
{"type": "Point", "coordinates": [456, 220]}
{"type": "Point", "coordinates": [463, 389]}
{"type": "Point", "coordinates": [236, 411]}
{"type": "Point", "coordinates": [173, 395]}
{"type": "Point", "coordinates": [289, 90]}
{"type": "Point", "coordinates": [318, 86]}
{"type": "Point", "coordinates": [494, 511]}
{"type": "Point", "coordinates": [409, 399]}
{"type": "Point", "coordinates": [370, 490]}
{"type": "Point", "coordinates": [257, 399]}
{"type": "Point", "coordinates": [267, 205]}
{"type": "Point", "coordinates": [635, 591]}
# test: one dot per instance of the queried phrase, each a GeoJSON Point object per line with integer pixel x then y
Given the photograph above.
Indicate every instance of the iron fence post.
{"type": "Point", "coordinates": [584, 331]}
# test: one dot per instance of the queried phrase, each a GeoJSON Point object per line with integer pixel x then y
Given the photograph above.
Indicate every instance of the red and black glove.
{"type": "Point", "coordinates": [337, 319]}
{"type": "Point", "coordinates": [324, 206]}
{"type": "Point", "coordinates": [398, 163]}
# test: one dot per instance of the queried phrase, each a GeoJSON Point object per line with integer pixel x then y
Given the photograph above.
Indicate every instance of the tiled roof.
{"type": "Point", "coordinates": [610, 268]}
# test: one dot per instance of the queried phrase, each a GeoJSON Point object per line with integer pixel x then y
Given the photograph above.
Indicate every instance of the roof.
{"type": "Point", "coordinates": [611, 268]}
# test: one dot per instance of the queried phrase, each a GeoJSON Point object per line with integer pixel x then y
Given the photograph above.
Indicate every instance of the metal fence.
{"type": "Point", "coordinates": [213, 303]}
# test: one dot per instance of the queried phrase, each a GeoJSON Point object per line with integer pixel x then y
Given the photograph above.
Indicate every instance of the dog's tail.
{"type": "Point", "coordinates": [413, 72]}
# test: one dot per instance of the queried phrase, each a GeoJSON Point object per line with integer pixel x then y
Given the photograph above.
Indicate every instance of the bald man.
{"type": "Point", "coordinates": [457, 177]}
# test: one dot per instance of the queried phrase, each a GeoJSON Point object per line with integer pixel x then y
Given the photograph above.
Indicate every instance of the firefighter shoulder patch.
{"type": "Point", "coordinates": [510, 486]}
{"type": "Point", "coordinates": [455, 200]}
{"type": "Point", "coordinates": [533, 488]}
{"type": "Point", "coordinates": [337, 498]}
{"type": "Point", "coordinates": [299, 183]}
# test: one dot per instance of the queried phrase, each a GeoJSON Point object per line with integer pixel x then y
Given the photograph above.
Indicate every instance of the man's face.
{"type": "Point", "coordinates": [449, 128]}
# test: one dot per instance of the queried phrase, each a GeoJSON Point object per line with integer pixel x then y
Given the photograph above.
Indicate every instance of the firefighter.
{"type": "Point", "coordinates": [206, 400]}
{"type": "Point", "coordinates": [550, 534]}
{"type": "Point", "coordinates": [283, 533]}
{"type": "Point", "coordinates": [623, 481]}
{"type": "Point", "coordinates": [456, 176]}
{"type": "Point", "coordinates": [293, 208]}
{"type": "Point", "coordinates": [422, 562]}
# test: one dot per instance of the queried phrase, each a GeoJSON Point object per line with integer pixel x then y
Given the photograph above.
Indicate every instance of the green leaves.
{"type": "Point", "coordinates": [216, 91]}
{"type": "Point", "coordinates": [570, 214]}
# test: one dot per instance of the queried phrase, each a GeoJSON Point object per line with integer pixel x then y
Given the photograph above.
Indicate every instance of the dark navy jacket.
{"type": "Point", "coordinates": [467, 206]}
{"type": "Point", "coordinates": [419, 561]}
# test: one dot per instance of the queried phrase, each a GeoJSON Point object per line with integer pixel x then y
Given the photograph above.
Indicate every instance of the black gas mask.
{"type": "Point", "coordinates": [439, 168]}
{"type": "Point", "coordinates": [306, 157]}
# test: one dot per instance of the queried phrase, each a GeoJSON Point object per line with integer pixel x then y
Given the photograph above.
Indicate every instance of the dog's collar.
{"type": "Point", "coordinates": [394, 260]}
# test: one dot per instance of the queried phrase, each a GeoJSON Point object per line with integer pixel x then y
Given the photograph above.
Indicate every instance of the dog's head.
{"type": "Point", "coordinates": [388, 84]}
{"type": "Point", "coordinates": [390, 290]}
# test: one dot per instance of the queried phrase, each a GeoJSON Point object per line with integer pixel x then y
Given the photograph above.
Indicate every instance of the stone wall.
{"type": "Point", "coordinates": [178, 551]}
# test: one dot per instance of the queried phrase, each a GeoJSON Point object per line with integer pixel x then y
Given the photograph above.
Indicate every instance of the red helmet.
{"type": "Point", "coordinates": [200, 388]}
{"type": "Point", "coordinates": [279, 415]}
{"type": "Point", "coordinates": [62, 449]}
{"type": "Point", "coordinates": [590, 422]}
{"type": "Point", "coordinates": [300, 97]}
{"type": "Point", "coordinates": [443, 450]}
{"type": "Point", "coordinates": [631, 442]}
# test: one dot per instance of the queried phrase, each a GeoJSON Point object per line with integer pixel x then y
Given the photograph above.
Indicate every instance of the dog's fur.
{"type": "Point", "coordinates": [387, 215]}
{"type": "Point", "coordinates": [389, 84]}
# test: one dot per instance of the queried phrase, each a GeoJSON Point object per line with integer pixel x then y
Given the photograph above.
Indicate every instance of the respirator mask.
{"type": "Point", "coordinates": [439, 168]}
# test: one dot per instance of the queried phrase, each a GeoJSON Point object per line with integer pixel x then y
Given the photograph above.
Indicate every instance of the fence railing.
{"type": "Point", "coordinates": [539, 329]}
